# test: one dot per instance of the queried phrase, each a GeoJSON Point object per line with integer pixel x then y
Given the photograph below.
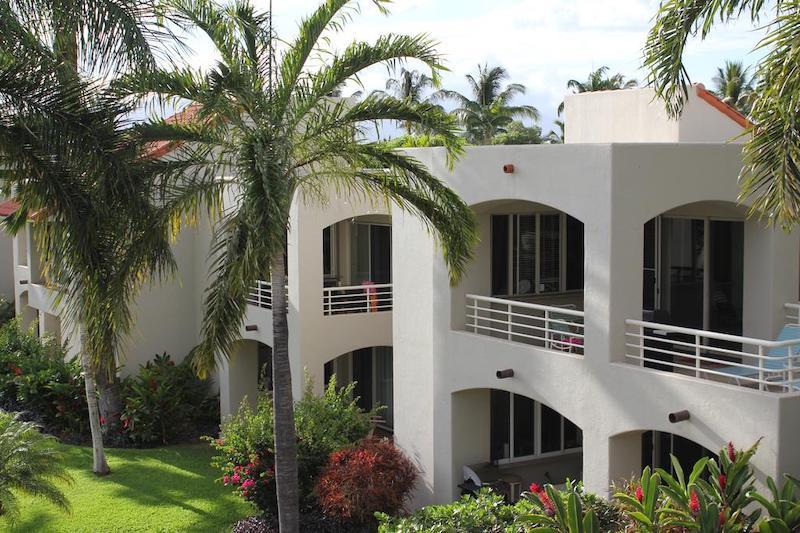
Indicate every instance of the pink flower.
{"type": "Point", "coordinates": [235, 479]}
{"type": "Point", "coordinates": [220, 442]}
{"type": "Point", "coordinates": [547, 503]}
{"type": "Point", "coordinates": [694, 503]}
{"type": "Point", "coordinates": [535, 488]}
{"type": "Point", "coordinates": [731, 452]}
{"type": "Point", "coordinates": [639, 494]}
{"type": "Point", "coordinates": [102, 421]}
{"type": "Point", "coordinates": [248, 483]}
{"type": "Point", "coordinates": [226, 479]}
{"type": "Point", "coordinates": [723, 480]}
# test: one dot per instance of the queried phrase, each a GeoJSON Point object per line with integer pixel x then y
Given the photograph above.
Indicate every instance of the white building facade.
{"type": "Point", "coordinates": [617, 282]}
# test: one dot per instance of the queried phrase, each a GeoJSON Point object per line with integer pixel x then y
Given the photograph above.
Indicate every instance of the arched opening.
{"type": "Point", "coordinates": [526, 282]}
{"type": "Point", "coordinates": [630, 452]}
{"type": "Point", "coordinates": [51, 326]}
{"type": "Point", "coordinates": [499, 435]}
{"type": "Point", "coordinates": [247, 371]}
{"type": "Point", "coordinates": [28, 315]}
{"type": "Point", "coordinates": [707, 310]}
{"type": "Point", "coordinates": [357, 265]}
{"type": "Point", "coordinates": [372, 371]}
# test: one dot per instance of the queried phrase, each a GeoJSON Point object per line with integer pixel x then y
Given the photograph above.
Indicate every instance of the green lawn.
{"type": "Point", "coordinates": [165, 489]}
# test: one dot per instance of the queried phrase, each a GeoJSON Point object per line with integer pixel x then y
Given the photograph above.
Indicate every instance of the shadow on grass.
{"type": "Point", "coordinates": [173, 487]}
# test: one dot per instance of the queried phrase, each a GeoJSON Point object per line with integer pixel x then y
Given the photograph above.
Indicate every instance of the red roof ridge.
{"type": "Point", "coordinates": [162, 148]}
{"type": "Point", "coordinates": [723, 107]}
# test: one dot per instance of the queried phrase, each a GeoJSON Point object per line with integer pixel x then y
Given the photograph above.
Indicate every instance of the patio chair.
{"type": "Point", "coordinates": [775, 365]}
{"type": "Point", "coordinates": [562, 336]}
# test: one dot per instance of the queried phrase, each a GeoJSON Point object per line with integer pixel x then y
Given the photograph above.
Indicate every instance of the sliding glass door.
{"type": "Point", "coordinates": [370, 253]}
{"type": "Point", "coordinates": [693, 273]}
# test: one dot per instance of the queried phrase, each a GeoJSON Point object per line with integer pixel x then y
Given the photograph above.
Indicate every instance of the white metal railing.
{"type": "Point", "coordinates": [763, 364]}
{"type": "Point", "coordinates": [357, 299]}
{"type": "Point", "coordinates": [792, 312]}
{"type": "Point", "coordinates": [261, 295]}
{"type": "Point", "coordinates": [551, 327]}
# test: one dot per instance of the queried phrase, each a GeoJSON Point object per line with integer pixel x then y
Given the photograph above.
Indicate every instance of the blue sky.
{"type": "Point", "coordinates": [542, 43]}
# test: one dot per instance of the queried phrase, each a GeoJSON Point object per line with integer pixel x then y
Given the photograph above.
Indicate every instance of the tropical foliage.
{"type": "Point", "coordinates": [518, 133]}
{"type": "Point", "coordinates": [282, 137]}
{"type": "Point", "coordinates": [733, 84]}
{"type": "Point", "coordinates": [410, 86]}
{"type": "Point", "coordinates": [324, 424]}
{"type": "Point", "coordinates": [488, 110]}
{"type": "Point", "coordinates": [771, 173]}
{"type": "Point", "coordinates": [105, 209]}
{"type": "Point", "coordinates": [30, 465]}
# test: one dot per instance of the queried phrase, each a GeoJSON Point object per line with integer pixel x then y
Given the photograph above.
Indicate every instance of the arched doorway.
{"type": "Point", "coordinates": [247, 372]}
{"type": "Point", "coordinates": [371, 369]}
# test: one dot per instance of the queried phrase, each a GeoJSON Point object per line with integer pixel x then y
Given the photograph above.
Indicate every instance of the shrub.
{"type": "Point", "coordinates": [34, 376]}
{"type": "Point", "coordinates": [484, 512]}
{"type": "Point", "coordinates": [6, 310]}
{"type": "Point", "coordinates": [30, 464]}
{"type": "Point", "coordinates": [163, 402]}
{"type": "Point", "coordinates": [245, 447]}
{"type": "Point", "coordinates": [373, 476]}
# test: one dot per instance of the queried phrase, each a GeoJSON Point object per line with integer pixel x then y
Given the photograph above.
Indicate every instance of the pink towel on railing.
{"type": "Point", "coordinates": [372, 295]}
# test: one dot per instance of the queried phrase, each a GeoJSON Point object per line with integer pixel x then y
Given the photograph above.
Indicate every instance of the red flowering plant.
{"type": "Point", "coordinates": [556, 511]}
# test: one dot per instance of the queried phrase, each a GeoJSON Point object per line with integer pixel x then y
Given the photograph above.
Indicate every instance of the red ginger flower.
{"type": "Point", "coordinates": [639, 494]}
{"type": "Point", "coordinates": [549, 507]}
{"type": "Point", "coordinates": [694, 503]}
{"type": "Point", "coordinates": [535, 488]}
{"type": "Point", "coordinates": [102, 420]}
{"type": "Point", "coordinates": [722, 518]}
{"type": "Point", "coordinates": [731, 452]}
{"type": "Point", "coordinates": [723, 481]}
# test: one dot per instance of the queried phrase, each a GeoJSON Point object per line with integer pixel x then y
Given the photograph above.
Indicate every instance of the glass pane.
{"type": "Point", "coordinates": [384, 383]}
{"type": "Point", "coordinates": [265, 367]}
{"type": "Point", "coordinates": [523, 426]}
{"type": "Point", "coordinates": [327, 266]}
{"type": "Point", "coordinates": [500, 254]}
{"type": "Point", "coordinates": [573, 436]}
{"type": "Point", "coordinates": [688, 452]}
{"type": "Point", "coordinates": [500, 425]}
{"type": "Point", "coordinates": [649, 282]}
{"type": "Point", "coordinates": [362, 375]}
{"type": "Point", "coordinates": [526, 246]}
{"type": "Point", "coordinates": [359, 253]}
{"type": "Point", "coordinates": [381, 253]}
{"type": "Point", "coordinates": [574, 254]}
{"type": "Point", "coordinates": [550, 267]}
{"type": "Point", "coordinates": [682, 244]}
{"type": "Point", "coordinates": [551, 430]}
{"type": "Point", "coordinates": [727, 276]}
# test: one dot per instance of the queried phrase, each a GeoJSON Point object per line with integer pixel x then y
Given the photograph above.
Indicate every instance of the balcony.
{"type": "Point", "coordinates": [558, 328]}
{"type": "Point", "coordinates": [365, 298]}
{"type": "Point", "coordinates": [261, 295]}
{"type": "Point", "coordinates": [765, 365]}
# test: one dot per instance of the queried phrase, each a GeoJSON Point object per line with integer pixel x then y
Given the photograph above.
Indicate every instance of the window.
{"type": "Point", "coordinates": [521, 428]}
{"type": "Point", "coordinates": [370, 253]}
{"type": "Point", "coordinates": [537, 253]}
{"type": "Point", "coordinates": [329, 252]}
{"type": "Point", "coordinates": [372, 371]}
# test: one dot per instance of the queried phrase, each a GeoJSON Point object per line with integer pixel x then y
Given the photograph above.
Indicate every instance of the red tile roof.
{"type": "Point", "coordinates": [726, 109]}
{"type": "Point", "coordinates": [8, 207]}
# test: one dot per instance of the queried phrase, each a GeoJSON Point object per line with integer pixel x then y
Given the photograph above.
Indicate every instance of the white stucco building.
{"type": "Point", "coordinates": [617, 281]}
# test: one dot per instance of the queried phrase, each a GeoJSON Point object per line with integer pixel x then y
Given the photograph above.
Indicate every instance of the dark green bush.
{"type": "Point", "coordinates": [36, 377]}
{"type": "Point", "coordinates": [163, 402]}
{"type": "Point", "coordinates": [324, 424]}
{"type": "Point", "coordinates": [6, 310]}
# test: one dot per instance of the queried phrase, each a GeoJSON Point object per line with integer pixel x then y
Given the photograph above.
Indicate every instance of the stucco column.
{"type": "Point", "coordinates": [414, 369]}
{"type": "Point", "coordinates": [770, 278]}
{"type": "Point", "coordinates": [236, 378]}
{"type": "Point", "coordinates": [300, 283]}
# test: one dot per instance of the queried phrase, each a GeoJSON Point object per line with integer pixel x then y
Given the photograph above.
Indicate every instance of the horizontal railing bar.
{"type": "Point", "coordinates": [694, 357]}
{"type": "Point", "coordinates": [359, 287]}
{"type": "Point", "coordinates": [526, 305]}
{"type": "Point", "coordinates": [694, 369]}
{"type": "Point", "coordinates": [527, 326]}
{"type": "Point", "coordinates": [512, 333]}
{"type": "Point", "coordinates": [712, 334]}
{"type": "Point", "coordinates": [534, 317]}
{"type": "Point", "coordinates": [693, 346]}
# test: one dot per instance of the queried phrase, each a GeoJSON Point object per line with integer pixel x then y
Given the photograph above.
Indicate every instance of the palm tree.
{"type": "Point", "coordinates": [283, 138]}
{"type": "Point", "coordinates": [556, 136]}
{"type": "Point", "coordinates": [69, 154]}
{"type": "Point", "coordinates": [30, 464]}
{"type": "Point", "coordinates": [598, 80]}
{"type": "Point", "coordinates": [488, 111]}
{"type": "Point", "coordinates": [409, 85]}
{"type": "Point", "coordinates": [734, 85]}
{"type": "Point", "coordinates": [770, 175]}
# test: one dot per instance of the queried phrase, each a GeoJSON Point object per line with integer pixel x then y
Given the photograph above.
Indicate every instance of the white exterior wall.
{"type": "Point", "coordinates": [6, 265]}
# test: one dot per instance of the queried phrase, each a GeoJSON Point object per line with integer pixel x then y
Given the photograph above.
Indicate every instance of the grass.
{"type": "Point", "coordinates": [163, 489]}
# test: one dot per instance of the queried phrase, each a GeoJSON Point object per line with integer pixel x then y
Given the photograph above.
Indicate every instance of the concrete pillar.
{"type": "Point", "coordinates": [610, 459]}
{"type": "Point", "coordinates": [770, 278]}
{"type": "Point", "coordinates": [238, 378]}
{"type": "Point", "coordinates": [470, 432]}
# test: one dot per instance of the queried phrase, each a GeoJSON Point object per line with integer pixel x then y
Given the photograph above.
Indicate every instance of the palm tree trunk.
{"type": "Point", "coordinates": [110, 397]}
{"type": "Point", "coordinates": [100, 466]}
{"type": "Point", "coordinates": [285, 440]}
